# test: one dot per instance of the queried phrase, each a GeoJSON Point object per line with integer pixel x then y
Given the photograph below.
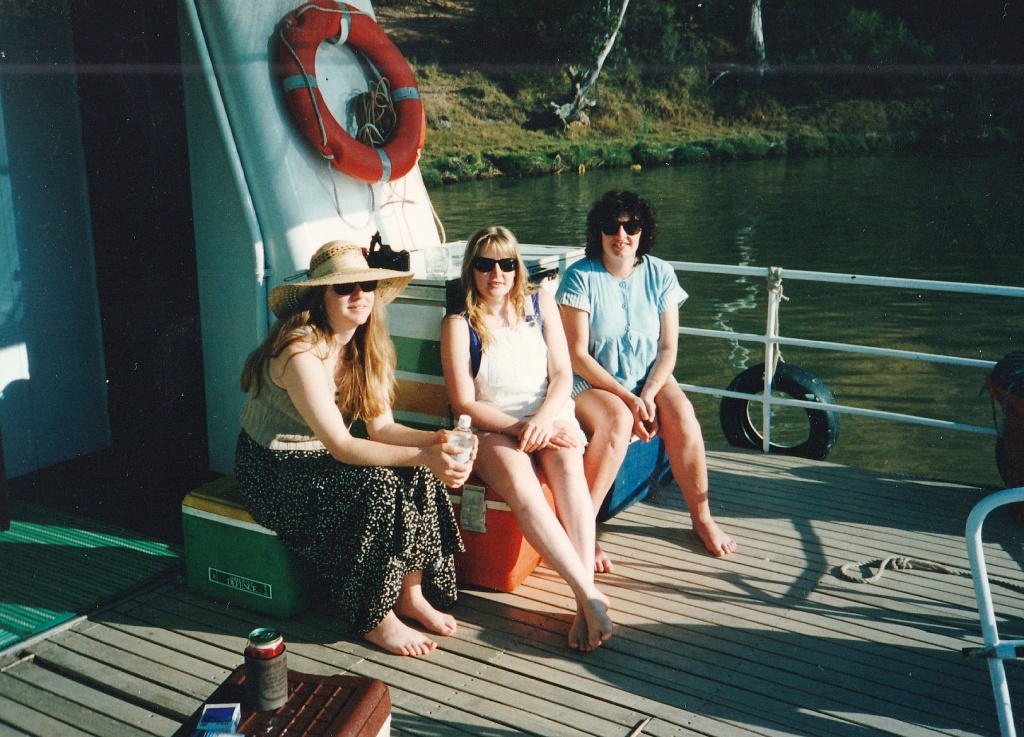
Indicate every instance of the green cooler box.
{"type": "Point", "coordinates": [230, 557]}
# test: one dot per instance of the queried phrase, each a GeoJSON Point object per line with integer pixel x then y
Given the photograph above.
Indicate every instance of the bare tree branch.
{"type": "Point", "coordinates": [582, 83]}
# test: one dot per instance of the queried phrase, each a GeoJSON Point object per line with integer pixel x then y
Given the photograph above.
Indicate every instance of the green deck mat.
{"type": "Point", "coordinates": [55, 566]}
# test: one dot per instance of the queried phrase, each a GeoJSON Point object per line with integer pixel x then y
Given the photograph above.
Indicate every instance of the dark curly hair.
{"type": "Point", "coordinates": [611, 206]}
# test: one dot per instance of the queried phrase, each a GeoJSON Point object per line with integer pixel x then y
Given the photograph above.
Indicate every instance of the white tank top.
{"type": "Point", "coordinates": [513, 375]}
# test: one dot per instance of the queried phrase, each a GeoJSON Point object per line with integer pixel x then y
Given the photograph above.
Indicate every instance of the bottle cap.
{"type": "Point", "coordinates": [464, 422]}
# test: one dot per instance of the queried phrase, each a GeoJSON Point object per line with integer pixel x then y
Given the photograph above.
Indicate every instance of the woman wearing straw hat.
{"type": "Point", "coordinates": [371, 516]}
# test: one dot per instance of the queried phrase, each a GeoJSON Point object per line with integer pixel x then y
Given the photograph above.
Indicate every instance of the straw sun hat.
{"type": "Point", "coordinates": [337, 262]}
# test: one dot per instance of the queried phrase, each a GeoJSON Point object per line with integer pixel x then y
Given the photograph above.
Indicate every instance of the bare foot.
{"type": "Point", "coordinates": [412, 605]}
{"type": "Point", "coordinates": [591, 626]}
{"type": "Point", "coordinates": [577, 638]}
{"type": "Point", "coordinates": [393, 635]}
{"type": "Point", "coordinates": [602, 563]}
{"type": "Point", "coordinates": [714, 538]}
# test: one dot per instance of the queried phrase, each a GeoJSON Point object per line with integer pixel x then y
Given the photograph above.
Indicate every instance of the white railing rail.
{"type": "Point", "coordinates": [771, 339]}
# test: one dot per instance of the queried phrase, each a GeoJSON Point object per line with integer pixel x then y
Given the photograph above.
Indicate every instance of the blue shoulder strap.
{"type": "Point", "coordinates": [536, 310]}
{"type": "Point", "coordinates": [474, 348]}
{"type": "Point", "coordinates": [474, 337]}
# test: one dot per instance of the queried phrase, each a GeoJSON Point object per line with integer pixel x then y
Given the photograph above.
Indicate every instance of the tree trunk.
{"type": "Point", "coordinates": [582, 83]}
{"type": "Point", "coordinates": [757, 35]}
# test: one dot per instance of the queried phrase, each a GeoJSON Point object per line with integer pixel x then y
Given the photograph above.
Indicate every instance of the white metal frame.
{"type": "Point", "coordinates": [995, 650]}
{"type": "Point", "coordinates": [771, 339]}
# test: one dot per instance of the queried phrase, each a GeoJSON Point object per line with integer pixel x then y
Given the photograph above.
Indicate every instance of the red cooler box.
{"type": "Point", "coordinates": [497, 555]}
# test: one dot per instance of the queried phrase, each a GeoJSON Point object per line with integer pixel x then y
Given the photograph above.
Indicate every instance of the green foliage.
{"type": "Point", "coordinates": [485, 121]}
{"type": "Point", "coordinates": [573, 31]}
{"type": "Point", "coordinates": [752, 146]}
{"type": "Point", "coordinates": [691, 153]}
{"type": "Point", "coordinates": [540, 31]}
{"type": "Point", "coordinates": [595, 156]}
{"type": "Point", "coordinates": [664, 33]}
{"type": "Point", "coordinates": [652, 154]}
{"type": "Point", "coordinates": [528, 164]}
{"type": "Point", "coordinates": [809, 143]}
{"type": "Point", "coordinates": [462, 168]}
{"type": "Point", "coordinates": [869, 37]}
{"type": "Point", "coordinates": [697, 32]}
{"type": "Point", "coordinates": [677, 96]}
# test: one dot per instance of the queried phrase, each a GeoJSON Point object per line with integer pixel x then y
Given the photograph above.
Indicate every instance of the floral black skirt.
{"type": "Point", "coordinates": [360, 528]}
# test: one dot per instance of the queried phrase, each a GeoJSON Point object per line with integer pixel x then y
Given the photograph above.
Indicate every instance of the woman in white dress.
{"type": "Point", "coordinates": [506, 365]}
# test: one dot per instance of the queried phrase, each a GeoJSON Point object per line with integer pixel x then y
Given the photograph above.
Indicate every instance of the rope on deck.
{"type": "Point", "coordinates": [904, 563]}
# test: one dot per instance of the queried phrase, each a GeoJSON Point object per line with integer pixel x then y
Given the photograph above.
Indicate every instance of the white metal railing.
{"type": "Point", "coordinates": [771, 340]}
{"type": "Point", "coordinates": [996, 650]}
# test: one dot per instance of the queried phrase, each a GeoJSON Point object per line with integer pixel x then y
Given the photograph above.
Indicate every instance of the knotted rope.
{"type": "Point", "coordinates": [904, 563]}
{"type": "Point", "coordinates": [375, 115]}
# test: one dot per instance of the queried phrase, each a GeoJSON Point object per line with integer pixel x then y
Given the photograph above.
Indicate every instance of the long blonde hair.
{"type": "Point", "coordinates": [366, 366]}
{"type": "Point", "coordinates": [506, 246]}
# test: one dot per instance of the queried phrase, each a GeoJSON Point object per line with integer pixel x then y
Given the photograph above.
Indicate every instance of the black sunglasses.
{"type": "Point", "coordinates": [486, 265]}
{"type": "Point", "coordinates": [343, 290]}
{"type": "Point", "coordinates": [611, 227]}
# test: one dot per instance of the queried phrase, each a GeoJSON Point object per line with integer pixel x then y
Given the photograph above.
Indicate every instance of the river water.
{"type": "Point", "coordinates": [935, 216]}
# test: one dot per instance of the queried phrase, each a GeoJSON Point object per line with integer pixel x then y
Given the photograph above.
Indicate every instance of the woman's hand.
{"type": "Point", "coordinates": [564, 435]}
{"type": "Point", "coordinates": [443, 436]}
{"type": "Point", "coordinates": [536, 433]}
{"type": "Point", "coordinates": [645, 421]}
{"type": "Point", "coordinates": [440, 459]}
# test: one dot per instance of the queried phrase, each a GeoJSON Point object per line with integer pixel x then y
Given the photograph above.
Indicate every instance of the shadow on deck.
{"type": "Point", "coordinates": [769, 641]}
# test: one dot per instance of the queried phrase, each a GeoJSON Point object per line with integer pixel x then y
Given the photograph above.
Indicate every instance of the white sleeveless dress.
{"type": "Point", "coordinates": [513, 374]}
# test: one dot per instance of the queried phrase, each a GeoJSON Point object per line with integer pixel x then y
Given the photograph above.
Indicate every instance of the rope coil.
{"type": "Point", "coordinates": [375, 115]}
{"type": "Point", "coordinates": [904, 563]}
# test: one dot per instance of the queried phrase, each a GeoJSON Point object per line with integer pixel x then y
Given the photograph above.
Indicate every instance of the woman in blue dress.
{"type": "Point", "coordinates": [620, 310]}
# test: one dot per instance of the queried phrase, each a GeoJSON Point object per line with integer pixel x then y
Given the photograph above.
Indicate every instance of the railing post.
{"type": "Point", "coordinates": [986, 611]}
{"type": "Point", "coordinates": [771, 349]}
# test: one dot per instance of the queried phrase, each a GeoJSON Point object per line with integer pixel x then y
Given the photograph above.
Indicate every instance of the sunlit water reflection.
{"type": "Point", "coordinates": [918, 216]}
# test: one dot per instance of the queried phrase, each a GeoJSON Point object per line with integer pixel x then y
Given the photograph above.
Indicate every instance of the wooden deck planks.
{"type": "Point", "coordinates": [31, 721]}
{"type": "Point", "coordinates": [144, 721]}
{"type": "Point", "coordinates": [73, 715]}
{"type": "Point", "coordinates": [105, 678]}
{"type": "Point", "coordinates": [768, 642]}
{"type": "Point", "coordinates": [741, 672]}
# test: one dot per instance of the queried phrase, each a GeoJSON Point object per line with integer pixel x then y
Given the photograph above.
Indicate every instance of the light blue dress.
{"type": "Point", "coordinates": [625, 315]}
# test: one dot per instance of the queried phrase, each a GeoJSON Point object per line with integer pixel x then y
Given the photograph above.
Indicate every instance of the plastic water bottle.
{"type": "Point", "coordinates": [462, 438]}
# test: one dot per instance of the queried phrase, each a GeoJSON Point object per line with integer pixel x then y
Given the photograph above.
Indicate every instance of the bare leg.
{"type": "Point", "coordinates": [564, 472]}
{"type": "Point", "coordinates": [510, 472]}
{"type": "Point", "coordinates": [684, 443]}
{"type": "Point", "coordinates": [609, 424]}
{"type": "Point", "coordinates": [412, 605]}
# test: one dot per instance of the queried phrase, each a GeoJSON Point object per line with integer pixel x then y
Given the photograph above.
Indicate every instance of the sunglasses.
{"type": "Point", "coordinates": [343, 290]}
{"type": "Point", "coordinates": [611, 227]}
{"type": "Point", "coordinates": [486, 265]}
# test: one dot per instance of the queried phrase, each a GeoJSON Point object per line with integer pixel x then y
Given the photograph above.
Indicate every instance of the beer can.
{"type": "Point", "coordinates": [266, 670]}
{"type": "Point", "coordinates": [264, 643]}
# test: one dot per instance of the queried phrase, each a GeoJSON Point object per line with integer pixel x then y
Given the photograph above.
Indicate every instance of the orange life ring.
{"type": "Point", "coordinates": [301, 33]}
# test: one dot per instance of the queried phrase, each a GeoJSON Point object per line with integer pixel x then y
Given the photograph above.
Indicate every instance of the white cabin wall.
{"type": "Point", "coordinates": [264, 199]}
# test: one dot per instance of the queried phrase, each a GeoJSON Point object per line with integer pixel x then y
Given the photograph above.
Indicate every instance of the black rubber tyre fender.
{"type": "Point", "coordinates": [798, 383]}
{"type": "Point", "coordinates": [1011, 473]}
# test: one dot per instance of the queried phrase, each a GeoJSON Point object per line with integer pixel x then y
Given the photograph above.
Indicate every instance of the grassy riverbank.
{"type": "Point", "coordinates": [490, 120]}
